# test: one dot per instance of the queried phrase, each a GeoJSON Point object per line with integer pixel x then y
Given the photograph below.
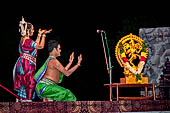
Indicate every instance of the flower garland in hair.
{"type": "Point", "coordinates": [141, 64]}
{"type": "Point", "coordinates": [23, 27]}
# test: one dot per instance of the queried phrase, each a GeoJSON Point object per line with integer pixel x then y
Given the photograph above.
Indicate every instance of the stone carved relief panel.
{"type": "Point", "coordinates": [158, 42]}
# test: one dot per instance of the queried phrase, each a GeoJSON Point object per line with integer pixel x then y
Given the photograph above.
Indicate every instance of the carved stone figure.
{"type": "Point", "coordinates": [158, 42]}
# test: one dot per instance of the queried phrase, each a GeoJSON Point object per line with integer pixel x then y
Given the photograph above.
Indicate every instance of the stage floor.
{"type": "Point", "coordinates": [156, 106]}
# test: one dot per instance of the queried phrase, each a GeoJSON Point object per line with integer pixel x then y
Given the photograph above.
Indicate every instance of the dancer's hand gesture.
{"type": "Point", "coordinates": [79, 59]}
{"type": "Point", "coordinates": [71, 57]}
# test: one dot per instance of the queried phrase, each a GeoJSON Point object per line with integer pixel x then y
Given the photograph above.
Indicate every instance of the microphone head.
{"type": "Point", "coordinates": [99, 31]}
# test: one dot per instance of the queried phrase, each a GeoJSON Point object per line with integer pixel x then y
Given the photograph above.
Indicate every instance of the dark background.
{"type": "Point", "coordinates": [75, 32]}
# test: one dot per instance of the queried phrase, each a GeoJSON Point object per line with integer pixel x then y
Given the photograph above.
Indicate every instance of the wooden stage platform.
{"type": "Point", "coordinates": [85, 106]}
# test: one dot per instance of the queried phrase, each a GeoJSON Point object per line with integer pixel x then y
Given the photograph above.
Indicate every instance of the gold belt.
{"type": "Point", "coordinates": [29, 57]}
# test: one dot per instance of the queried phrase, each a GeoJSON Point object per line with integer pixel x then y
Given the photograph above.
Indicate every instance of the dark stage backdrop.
{"type": "Point", "coordinates": [75, 32]}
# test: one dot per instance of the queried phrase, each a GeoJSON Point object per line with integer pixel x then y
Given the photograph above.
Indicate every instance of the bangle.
{"type": "Point", "coordinates": [78, 64]}
{"type": "Point", "coordinates": [44, 35]}
{"type": "Point", "coordinates": [39, 35]}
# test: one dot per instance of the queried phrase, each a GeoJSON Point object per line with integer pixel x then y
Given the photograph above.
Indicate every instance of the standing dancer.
{"type": "Point", "coordinates": [25, 66]}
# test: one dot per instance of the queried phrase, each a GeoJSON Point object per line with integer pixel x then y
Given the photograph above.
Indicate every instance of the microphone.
{"type": "Point", "coordinates": [99, 31]}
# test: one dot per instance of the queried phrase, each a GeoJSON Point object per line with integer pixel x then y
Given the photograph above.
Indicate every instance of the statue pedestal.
{"type": "Point", "coordinates": [132, 80]}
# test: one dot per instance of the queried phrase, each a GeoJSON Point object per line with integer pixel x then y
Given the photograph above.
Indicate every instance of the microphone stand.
{"type": "Point", "coordinates": [109, 66]}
